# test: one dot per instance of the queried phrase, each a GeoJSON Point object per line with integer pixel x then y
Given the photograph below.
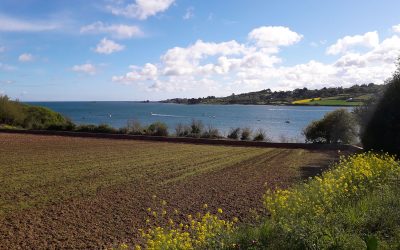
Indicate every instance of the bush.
{"type": "Point", "coordinates": [234, 133]}
{"type": "Point", "coordinates": [182, 130]}
{"type": "Point", "coordinates": [67, 126]}
{"type": "Point", "coordinates": [134, 127]}
{"type": "Point", "coordinates": [196, 128]}
{"type": "Point", "coordinates": [382, 132]}
{"type": "Point", "coordinates": [11, 112]}
{"type": "Point", "coordinates": [30, 117]}
{"type": "Point", "coordinates": [90, 128]}
{"type": "Point", "coordinates": [157, 129]}
{"type": "Point", "coordinates": [338, 126]}
{"type": "Point", "coordinates": [260, 135]}
{"type": "Point", "coordinates": [246, 134]}
{"type": "Point", "coordinates": [211, 132]}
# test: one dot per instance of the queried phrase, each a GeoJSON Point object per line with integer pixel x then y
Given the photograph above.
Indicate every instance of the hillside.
{"type": "Point", "coordinates": [352, 96]}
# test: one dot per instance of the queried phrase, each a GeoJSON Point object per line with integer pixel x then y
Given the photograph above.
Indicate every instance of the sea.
{"type": "Point", "coordinates": [279, 122]}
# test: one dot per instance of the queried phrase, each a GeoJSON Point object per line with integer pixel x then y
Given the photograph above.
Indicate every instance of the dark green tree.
{"type": "Point", "coordinates": [338, 126]}
{"type": "Point", "coordinates": [382, 132]}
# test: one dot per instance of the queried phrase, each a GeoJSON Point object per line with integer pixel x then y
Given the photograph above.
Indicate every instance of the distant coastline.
{"type": "Point", "coordinates": [355, 95]}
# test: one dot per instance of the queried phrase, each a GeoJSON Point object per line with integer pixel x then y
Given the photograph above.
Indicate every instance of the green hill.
{"type": "Point", "coordinates": [353, 96]}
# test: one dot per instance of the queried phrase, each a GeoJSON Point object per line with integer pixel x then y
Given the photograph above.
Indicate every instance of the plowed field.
{"type": "Point", "coordinates": [64, 192]}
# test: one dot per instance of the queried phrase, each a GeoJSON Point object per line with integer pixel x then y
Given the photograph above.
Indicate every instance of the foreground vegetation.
{"type": "Point", "coordinates": [352, 206]}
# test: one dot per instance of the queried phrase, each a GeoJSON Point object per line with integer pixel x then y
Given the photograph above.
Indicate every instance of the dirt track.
{"type": "Point", "coordinates": [114, 213]}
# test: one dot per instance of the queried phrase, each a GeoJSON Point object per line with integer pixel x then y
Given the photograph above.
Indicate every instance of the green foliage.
{"type": "Point", "coordinates": [382, 132]}
{"type": "Point", "coordinates": [42, 118]}
{"type": "Point", "coordinates": [234, 133]}
{"type": "Point", "coordinates": [11, 112]}
{"type": "Point", "coordinates": [31, 117]}
{"type": "Point", "coordinates": [90, 128]}
{"type": "Point", "coordinates": [157, 129]}
{"type": "Point", "coordinates": [196, 128]}
{"type": "Point", "coordinates": [266, 96]}
{"type": "Point", "coordinates": [338, 126]}
{"type": "Point", "coordinates": [352, 206]}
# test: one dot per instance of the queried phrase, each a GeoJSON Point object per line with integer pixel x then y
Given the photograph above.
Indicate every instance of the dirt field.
{"type": "Point", "coordinates": [62, 192]}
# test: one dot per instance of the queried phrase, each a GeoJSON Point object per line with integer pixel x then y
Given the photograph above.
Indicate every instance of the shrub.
{"type": "Point", "coordinates": [338, 126]}
{"type": "Point", "coordinates": [105, 128]}
{"type": "Point", "coordinates": [182, 130]}
{"type": "Point", "coordinates": [157, 129]}
{"type": "Point", "coordinates": [134, 127]}
{"type": "Point", "coordinates": [246, 134]}
{"type": "Point", "coordinates": [211, 132]}
{"type": "Point", "coordinates": [196, 128]}
{"type": "Point", "coordinates": [260, 135]}
{"type": "Point", "coordinates": [11, 112]}
{"type": "Point", "coordinates": [86, 128]}
{"type": "Point", "coordinates": [234, 133]}
{"type": "Point", "coordinates": [90, 128]}
{"type": "Point", "coordinates": [30, 117]}
{"type": "Point", "coordinates": [67, 126]}
{"type": "Point", "coordinates": [382, 132]}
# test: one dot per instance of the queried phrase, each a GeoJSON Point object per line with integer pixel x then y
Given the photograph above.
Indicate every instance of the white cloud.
{"type": "Point", "coordinates": [7, 81]}
{"type": "Point", "coordinates": [5, 67]}
{"type": "Point", "coordinates": [274, 36]}
{"type": "Point", "coordinates": [368, 40]}
{"type": "Point", "coordinates": [107, 46]}
{"type": "Point", "coordinates": [205, 68]}
{"type": "Point", "coordinates": [11, 24]}
{"type": "Point", "coordinates": [116, 31]}
{"type": "Point", "coordinates": [396, 28]}
{"type": "Point", "coordinates": [85, 68]}
{"type": "Point", "coordinates": [26, 57]}
{"type": "Point", "coordinates": [140, 9]}
{"type": "Point", "coordinates": [189, 13]}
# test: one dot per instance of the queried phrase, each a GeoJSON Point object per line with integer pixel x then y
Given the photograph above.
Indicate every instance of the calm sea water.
{"type": "Point", "coordinates": [288, 121]}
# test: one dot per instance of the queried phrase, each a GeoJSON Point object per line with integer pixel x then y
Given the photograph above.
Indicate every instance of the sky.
{"type": "Point", "coordinates": [134, 50]}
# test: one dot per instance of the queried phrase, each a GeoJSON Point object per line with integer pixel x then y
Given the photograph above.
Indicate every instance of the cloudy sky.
{"type": "Point", "coordinates": [155, 49]}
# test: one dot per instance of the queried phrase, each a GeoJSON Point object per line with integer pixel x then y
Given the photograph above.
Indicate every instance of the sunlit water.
{"type": "Point", "coordinates": [277, 121]}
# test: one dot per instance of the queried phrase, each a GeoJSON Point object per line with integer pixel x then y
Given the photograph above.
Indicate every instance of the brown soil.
{"type": "Point", "coordinates": [115, 213]}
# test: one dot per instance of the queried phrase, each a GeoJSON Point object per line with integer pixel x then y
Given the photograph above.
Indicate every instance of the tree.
{"type": "Point", "coordinates": [382, 132]}
{"type": "Point", "coordinates": [338, 126]}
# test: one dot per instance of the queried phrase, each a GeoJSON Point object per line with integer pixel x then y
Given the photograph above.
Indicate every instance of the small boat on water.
{"type": "Point", "coordinates": [287, 121]}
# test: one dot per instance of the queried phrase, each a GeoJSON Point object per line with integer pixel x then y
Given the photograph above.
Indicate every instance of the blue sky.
{"type": "Point", "coordinates": [157, 49]}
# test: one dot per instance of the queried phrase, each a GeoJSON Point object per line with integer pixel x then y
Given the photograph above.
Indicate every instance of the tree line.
{"type": "Point", "coordinates": [268, 96]}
